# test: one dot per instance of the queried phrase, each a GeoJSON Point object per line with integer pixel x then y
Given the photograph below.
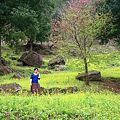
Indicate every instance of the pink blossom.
{"type": "Point", "coordinates": [55, 29]}
{"type": "Point", "coordinates": [71, 1]}
{"type": "Point", "coordinates": [81, 18]}
{"type": "Point", "coordinates": [60, 24]}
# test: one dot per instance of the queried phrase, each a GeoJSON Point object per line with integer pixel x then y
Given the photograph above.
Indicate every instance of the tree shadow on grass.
{"type": "Point", "coordinates": [109, 83]}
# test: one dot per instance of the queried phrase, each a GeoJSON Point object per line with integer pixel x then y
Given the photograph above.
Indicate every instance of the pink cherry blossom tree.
{"type": "Point", "coordinates": [81, 22]}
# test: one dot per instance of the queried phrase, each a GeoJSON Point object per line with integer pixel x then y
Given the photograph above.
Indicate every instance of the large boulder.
{"type": "Point", "coordinates": [59, 60]}
{"type": "Point", "coordinates": [93, 75]}
{"type": "Point", "coordinates": [31, 58]}
{"type": "Point", "coordinates": [10, 87]}
{"type": "Point", "coordinates": [5, 70]}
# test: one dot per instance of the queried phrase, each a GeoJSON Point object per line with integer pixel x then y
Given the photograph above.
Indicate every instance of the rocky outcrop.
{"type": "Point", "coordinates": [45, 72]}
{"type": "Point", "coordinates": [5, 70]}
{"type": "Point", "coordinates": [14, 87]}
{"type": "Point", "coordinates": [59, 60]}
{"type": "Point", "coordinates": [19, 64]}
{"type": "Point", "coordinates": [43, 91]}
{"type": "Point", "coordinates": [70, 89]}
{"type": "Point", "coordinates": [57, 90]}
{"type": "Point", "coordinates": [93, 75]}
{"type": "Point", "coordinates": [17, 76]}
{"type": "Point", "coordinates": [60, 67]}
{"type": "Point", "coordinates": [31, 58]}
{"type": "Point", "coordinates": [10, 87]}
{"type": "Point", "coordinates": [3, 61]}
{"type": "Point", "coordinates": [54, 90]}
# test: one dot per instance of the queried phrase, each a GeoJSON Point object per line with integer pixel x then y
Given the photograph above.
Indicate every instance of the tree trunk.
{"type": "Point", "coordinates": [0, 53]}
{"type": "Point", "coordinates": [31, 45]}
{"type": "Point", "coordinates": [41, 42]}
{"type": "Point", "coordinates": [86, 72]}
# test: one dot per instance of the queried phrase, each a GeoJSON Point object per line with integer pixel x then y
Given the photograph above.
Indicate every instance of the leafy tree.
{"type": "Point", "coordinates": [15, 40]}
{"type": "Point", "coordinates": [29, 17]}
{"type": "Point", "coordinates": [47, 7]}
{"type": "Point", "coordinates": [0, 51]}
{"type": "Point", "coordinates": [25, 20]}
{"type": "Point", "coordinates": [33, 18]}
{"type": "Point", "coordinates": [59, 4]}
{"type": "Point", "coordinates": [3, 21]}
{"type": "Point", "coordinates": [114, 7]}
{"type": "Point", "coordinates": [80, 22]}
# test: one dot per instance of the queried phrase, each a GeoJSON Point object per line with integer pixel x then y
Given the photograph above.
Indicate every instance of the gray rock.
{"type": "Point", "coordinates": [60, 67]}
{"type": "Point", "coordinates": [5, 70]}
{"type": "Point", "coordinates": [31, 58]}
{"type": "Point", "coordinates": [10, 87]}
{"type": "Point", "coordinates": [59, 60]}
{"type": "Point", "coordinates": [54, 90]}
{"type": "Point", "coordinates": [70, 89]}
{"type": "Point", "coordinates": [17, 76]}
{"type": "Point", "coordinates": [93, 75]}
{"type": "Point", "coordinates": [43, 90]}
{"type": "Point", "coordinates": [45, 72]}
{"type": "Point", "coordinates": [19, 64]}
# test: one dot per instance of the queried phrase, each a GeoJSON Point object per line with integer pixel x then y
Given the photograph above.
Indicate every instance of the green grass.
{"type": "Point", "coordinates": [59, 79]}
{"type": "Point", "coordinates": [89, 103]}
{"type": "Point", "coordinates": [79, 106]}
{"type": "Point", "coordinates": [111, 72]}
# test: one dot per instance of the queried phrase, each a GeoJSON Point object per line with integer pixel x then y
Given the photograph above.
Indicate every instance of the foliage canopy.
{"type": "Point", "coordinates": [81, 23]}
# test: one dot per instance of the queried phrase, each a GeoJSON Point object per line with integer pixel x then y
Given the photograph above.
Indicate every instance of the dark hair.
{"type": "Point", "coordinates": [35, 69]}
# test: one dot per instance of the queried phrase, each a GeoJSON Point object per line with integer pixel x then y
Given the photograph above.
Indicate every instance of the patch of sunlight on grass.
{"type": "Point", "coordinates": [111, 72]}
{"type": "Point", "coordinates": [56, 79]}
{"type": "Point", "coordinates": [59, 79]}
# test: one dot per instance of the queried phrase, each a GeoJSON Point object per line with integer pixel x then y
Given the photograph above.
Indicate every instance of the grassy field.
{"type": "Point", "coordinates": [89, 103]}
{"type": "Point", "coordinates": [78, 106]}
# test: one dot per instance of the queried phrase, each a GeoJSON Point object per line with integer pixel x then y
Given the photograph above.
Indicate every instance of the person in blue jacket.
{"type": "Point", "coordinates": [34, 77]}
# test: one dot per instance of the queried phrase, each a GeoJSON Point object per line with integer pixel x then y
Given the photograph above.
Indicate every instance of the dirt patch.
{"type": "Point", "coordinates": [111, 84]}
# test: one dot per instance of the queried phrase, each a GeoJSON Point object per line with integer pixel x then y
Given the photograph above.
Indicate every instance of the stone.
{"type": "Point", "coordinates": [43, 90]}
{"type": "Point", "coordinates": [17, 76]}
{"type": "Point", "coordinates": [10, 87]}
{"type": "Point", "coordinates": [93, 75]}
{"type": "Point", "coordinates": [45, 72]}
{"type": "Point", "coordinates": [31, 58]}
{"type": "Point", "coordinates": [70, 89]}
{"type": "Point", "coordinates": [54, 90]}
{"type": "Point", "coordinates": [19, 64]}
{"type": "Point", "coordinates": [59, 60]}
{"type": "Point", "coordinates": [60, 67]}
{"type": "Point", "coordinates": [44, 66]}
{"type": "Point", "coordinates": [5, 70]}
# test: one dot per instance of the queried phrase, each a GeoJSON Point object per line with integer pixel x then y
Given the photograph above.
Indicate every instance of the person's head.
{"type": "Point", "coordinates": [35, 70]}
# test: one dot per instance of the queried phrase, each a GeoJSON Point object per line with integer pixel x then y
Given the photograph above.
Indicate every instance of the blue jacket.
{"type": "Point", "coordinates": [34, 78]}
